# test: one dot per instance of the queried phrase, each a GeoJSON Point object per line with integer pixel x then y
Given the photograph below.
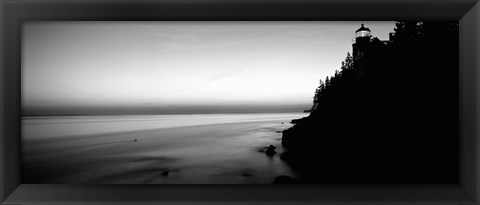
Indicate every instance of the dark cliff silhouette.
{"type": "Point", "coordinates": [390, 115]}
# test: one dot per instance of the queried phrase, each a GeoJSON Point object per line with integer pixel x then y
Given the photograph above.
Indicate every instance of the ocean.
{"type": "Point", "coordinates": [154, 149]}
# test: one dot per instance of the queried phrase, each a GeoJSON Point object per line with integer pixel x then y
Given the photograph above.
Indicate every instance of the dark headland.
{"type": "Point", "coordinates": [389, 115]}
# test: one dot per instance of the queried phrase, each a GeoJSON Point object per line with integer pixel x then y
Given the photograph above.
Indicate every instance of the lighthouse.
{"type": "Point", "coordinates": [362, 41]}
{"type": "Point", "coordinates": [370, 53]}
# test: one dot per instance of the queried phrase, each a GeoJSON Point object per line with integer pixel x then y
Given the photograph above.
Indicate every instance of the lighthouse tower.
{"type": "Point", "coordinates": [361, 48]}
{"type": "Point", "coordinates": [362, 41]}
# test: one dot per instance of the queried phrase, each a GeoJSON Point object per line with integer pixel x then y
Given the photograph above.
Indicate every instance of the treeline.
{"type": "Point", "coordinates": [334, 84]}
{"type": "Point", "coordinates": [392, 120]}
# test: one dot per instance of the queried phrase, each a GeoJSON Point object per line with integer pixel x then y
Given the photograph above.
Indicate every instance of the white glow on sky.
{"type": "Point", "coordinates": [135, 64]}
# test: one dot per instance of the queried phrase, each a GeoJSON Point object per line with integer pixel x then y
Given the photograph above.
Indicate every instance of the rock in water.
{"type": "Point", "coordinates": [271, 150]}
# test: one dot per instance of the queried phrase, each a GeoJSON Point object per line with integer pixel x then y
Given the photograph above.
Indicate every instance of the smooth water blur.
{"type": "Point", "coordinates": [59, 126]}
{"type": "Point", "coordinates": [180, 149]}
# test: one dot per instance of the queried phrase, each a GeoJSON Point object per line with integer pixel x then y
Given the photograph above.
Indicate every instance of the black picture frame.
{"type": "Point", "coordinates": [15, 12]}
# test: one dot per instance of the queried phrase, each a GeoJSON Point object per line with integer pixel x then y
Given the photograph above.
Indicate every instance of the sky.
{"type": "Point", "coordinates": [180, 67]}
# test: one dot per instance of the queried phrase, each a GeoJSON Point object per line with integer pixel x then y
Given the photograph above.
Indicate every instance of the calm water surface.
{"type": "Point", "coordinates": [140, 149]}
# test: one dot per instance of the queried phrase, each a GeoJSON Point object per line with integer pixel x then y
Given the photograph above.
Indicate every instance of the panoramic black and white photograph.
{"type": "Point", "coordinates": [241, 102]}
